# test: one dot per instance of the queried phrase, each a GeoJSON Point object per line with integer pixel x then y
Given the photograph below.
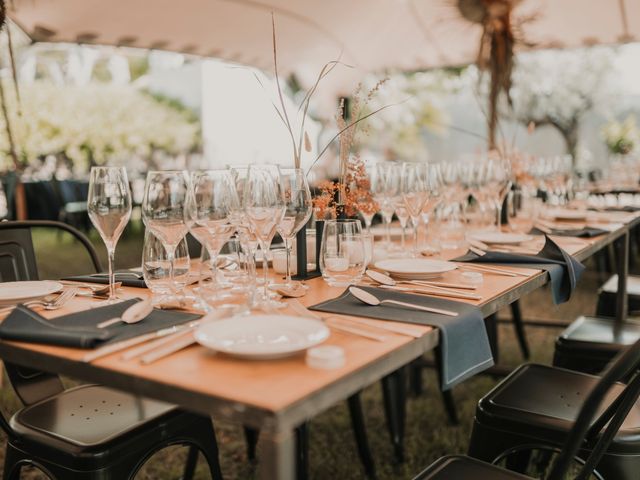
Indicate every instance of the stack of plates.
{"type": "Point", "coordinates": [415, 268]}
{"type": "Point", "coordinates": [12, 293]}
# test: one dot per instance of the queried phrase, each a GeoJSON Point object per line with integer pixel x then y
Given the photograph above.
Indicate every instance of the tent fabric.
{"type": "Point", "coordinates": [371, 35]}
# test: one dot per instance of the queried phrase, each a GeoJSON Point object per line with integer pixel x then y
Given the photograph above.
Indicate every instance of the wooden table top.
{"type": "Point", "coordinates": [270, 386]}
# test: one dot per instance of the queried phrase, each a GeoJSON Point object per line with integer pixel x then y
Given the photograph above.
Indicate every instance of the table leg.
{"type": "Point", "coordinates": [622, 267]}
{"type": "Point", "coordinates": [277, 455]}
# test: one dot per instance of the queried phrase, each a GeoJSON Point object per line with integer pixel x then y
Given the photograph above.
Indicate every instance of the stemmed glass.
{"type": "Point", "coordinates": [263, 203]}
{"type": "Point", "coordinates": [209, 211]}
{"type": "Point", "coordinates": [298, 209]}
{"type": "Point", "coordinates": [163, 209]}
{"type": "Point", "coordinates": [415, 193]}
{"type": "Point", "coordinates": [498, 172]}
{"type": "Point", "coordinates": [381, 189]}
{"type": "Point", "coordinates": [435, 185]}
{"type": "Point", "coordinates": [109, 208]}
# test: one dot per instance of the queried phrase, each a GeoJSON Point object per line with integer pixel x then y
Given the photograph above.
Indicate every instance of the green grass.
{"type": "Point", "coordinates": [332, 447]}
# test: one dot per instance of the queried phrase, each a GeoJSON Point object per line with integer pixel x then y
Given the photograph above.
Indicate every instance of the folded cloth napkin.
{"type": "Point", "coordinates": [128, 278]}
{"type": "Point", "coordinates": [586, 232]}
{"type": "Point", "coordinates": [464, 345]}
{"type": "Point", "coordinates": [564, 270]}
{"type": "Point", "coordinates": [79, 329]}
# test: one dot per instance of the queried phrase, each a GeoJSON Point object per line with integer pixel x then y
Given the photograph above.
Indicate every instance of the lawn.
{"type": "Point", "coordinates": [332, 447]}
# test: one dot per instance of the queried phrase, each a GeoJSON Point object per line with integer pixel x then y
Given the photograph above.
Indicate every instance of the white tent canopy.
{"type": "Point", "coordinates": [371, 35]}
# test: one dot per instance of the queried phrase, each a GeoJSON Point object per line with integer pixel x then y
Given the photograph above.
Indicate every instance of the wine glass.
{"type": "Point", "coordinates": [435, 185]}
{"type": "Point", "coordinates": [211, 202]}
{"type": "Point", "coordinates": [498, 172]}
{"type": "Point", "coordinates": [382, 191]}
{"type": "Point", "coordinates": [298, 209]}
{"type": "Point", "coordinates": [163, 209]}
{"type": "Point", "coordinates": [264, 206]}
{"type": "Point", "coordinates": [109, 208]}
{"type": "Point", "coordinates": [155, 267]}
{"type": "Point", "coordinates": [415, 192]}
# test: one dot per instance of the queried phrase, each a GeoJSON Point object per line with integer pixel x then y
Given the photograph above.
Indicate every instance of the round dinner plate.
{"type": "Point", "coordinates": [566, 214]}
{"type": "Point", "coordinates": [20, 292]}
{"type": "Point", "coordinates": [504, 238]}
{"type": "Point", "coordinates": [262, 337]}
{"type": "Point", "coordinates": [415, 267]}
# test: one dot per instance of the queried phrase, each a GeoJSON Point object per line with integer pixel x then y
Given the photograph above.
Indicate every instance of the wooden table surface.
{"type": "Point", "coordinates": [275, 395]}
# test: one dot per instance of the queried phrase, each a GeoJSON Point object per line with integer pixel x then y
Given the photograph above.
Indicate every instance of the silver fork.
{"type": "Point", "coordinates": [62, 299]}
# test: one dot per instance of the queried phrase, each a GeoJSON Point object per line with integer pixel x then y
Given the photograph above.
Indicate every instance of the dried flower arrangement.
{"type": "Point", "coordinates": [352, 191]}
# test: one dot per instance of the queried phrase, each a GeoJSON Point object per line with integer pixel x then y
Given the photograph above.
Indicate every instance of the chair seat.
{"type": "Point", "coordinates": [544, 402]}
{"type": "Point", "coordinates": [88, 415]}
{"type": "Point", "coordinates": [459, 467]}
{"type": "Point", "coordinates": [601, 333]}
{"type": "Point", "coordinates": [93, 425]}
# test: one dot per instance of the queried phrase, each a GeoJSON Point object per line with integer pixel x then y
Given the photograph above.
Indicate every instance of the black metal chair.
{"type": "Point", "coordinates": [590, 343]}
{"type": "Point", "coordinates": [591, 430]}
{"type": "Point", "coordinates": [543, 407]}
{"type": "Point", "coordinates": [89, 431]}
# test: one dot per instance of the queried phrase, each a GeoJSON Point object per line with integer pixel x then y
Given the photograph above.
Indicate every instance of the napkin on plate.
{"type": "Point", "coordinates": [128, 278]}
{"type": "Point", "coordinates": [564, 270]}
{"type": "Point", "coordinates": [79, 329]}
{"type": "Point", "coordinates": [464, 345]}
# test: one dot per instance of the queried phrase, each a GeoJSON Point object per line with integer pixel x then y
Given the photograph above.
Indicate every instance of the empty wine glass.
{"type": "Point", "coordinates": [415, 192]}
{"type": "Point", "coordinates": [498, 171]}
{"type": "Point", "coordinates": [428, 217]}
{"type": "Point", "coordinates": [109, 208]}
{"type": "Point", "coordinates": [163, 209]}
{"type": "Point", "coordinates": [298, 209]}
{"type": "Point", "coordinates": [263, 203]}
{"type": "Point", "coordinates": [211, 203]}
{"type": "Point", "coordinates": [382, 191]}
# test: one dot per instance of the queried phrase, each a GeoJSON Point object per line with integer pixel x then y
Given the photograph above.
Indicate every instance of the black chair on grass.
{"type": "Point", "coordinates": [596, 430]}
{"type": "Point", "coordinates": [91, 431]}
{"type": "Point", "coordinates": [540, 407]}
{"type": "Point", "coordinates": [590, 343]}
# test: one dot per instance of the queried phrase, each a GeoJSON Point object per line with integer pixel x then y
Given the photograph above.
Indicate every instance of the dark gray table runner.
{"type": "Point", "coordinates": [79, 330]}
{"type": "Point", "coordinates": [464, 345]}
{"type": "Point", "coordinates": [586, 232]}
{"type": "Point", "coordinates": [564, 270]}
{"type": "Point", "coordinates": [123, 276]}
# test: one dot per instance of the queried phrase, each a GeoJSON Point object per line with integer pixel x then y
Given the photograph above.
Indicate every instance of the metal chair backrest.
{"type": "Point", "coordinates": [18, 263]}
{"type": "Point", "coordinates": [591, 425]}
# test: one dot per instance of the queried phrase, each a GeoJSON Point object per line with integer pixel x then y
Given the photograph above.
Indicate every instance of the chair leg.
{"type": "Point", "coordinates": [251, 438]}
{"type": "Point", "coordinates": [360, 433]}
{"type": "Point", "coordinates": [302, 451]}
{"type": "Point", "coordinates": [518, 325]}
{"type": "Point", "coordinates": [190, 465]}
{"type": "Point", "coordinates": [394, 414]}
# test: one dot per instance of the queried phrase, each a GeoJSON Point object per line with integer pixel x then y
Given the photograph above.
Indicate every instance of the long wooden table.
{"type": "Point", "coordinates": [277, 396]}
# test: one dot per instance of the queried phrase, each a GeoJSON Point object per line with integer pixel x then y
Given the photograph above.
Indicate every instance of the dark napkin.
{"type": "Point", "coordinates": [586, 232]}
{"type": "Point", "coordinates": [464, 345]}
{"type": "Point", "coordinates": [126, 277]}
{"type": "Point", "coordinates": [564, 270]}
{"type": "Point", "coordinates": [79, 329]}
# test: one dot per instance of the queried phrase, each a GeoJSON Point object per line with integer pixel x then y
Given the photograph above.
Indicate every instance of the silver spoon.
{"type": "Point", "coordinates": [371, 299]}
{"type": "Point", "coordinates": [384, 279]}
{"type": "Point", "coordinates": [136, 312]}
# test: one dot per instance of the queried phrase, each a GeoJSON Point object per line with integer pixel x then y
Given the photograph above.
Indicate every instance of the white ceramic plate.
{"type": "Point", "coordinates": [501, 238]}
{"type": "Point", "coordinates": [19, 292]}
{"type": "Point", "coordinates": [415, 267]}
{"type": "Point", "coordinates": [566, 214]}
{"type": "Point", "coordinates": [262, 337]}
